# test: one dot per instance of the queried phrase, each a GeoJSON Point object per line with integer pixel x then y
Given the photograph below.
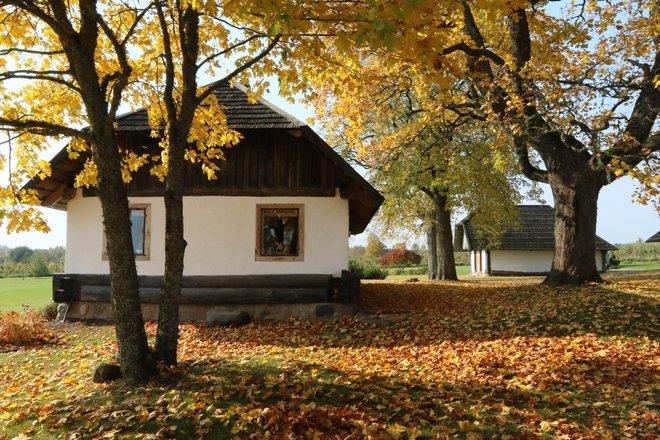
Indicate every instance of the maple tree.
{"type": "Point", "coordinates": [445, 169]}
{"type": "Point", "coordinates": [195, 129]}
{"type": "Point", "coordinates": [170, 43]}
{"type": "Point", "coordinates": [574, 92]}
{"type": "Point", "coordinates": [400, 257]}
{"type": "Point", "coordinates": [428, 162]}
{"type": "Point", "coordinates": [66, 66]}
{"type": "Point", "coordinates": [569, 109]}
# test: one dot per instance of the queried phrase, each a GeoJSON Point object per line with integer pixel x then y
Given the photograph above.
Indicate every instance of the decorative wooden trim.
{"type": "Point", "coordinates": [244, 192]}
{"type": "Point", "coordinates": [59, 197]}
{"type": "Point", "coordinates": [301, 233]}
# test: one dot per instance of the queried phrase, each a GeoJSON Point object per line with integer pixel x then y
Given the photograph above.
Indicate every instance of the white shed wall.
{"type": "Point", "coordinates": [521, 261]}
{"type": "Point", "coordinates": [528, 261]}
{"type": "Point", "coordinates": [221, 236]}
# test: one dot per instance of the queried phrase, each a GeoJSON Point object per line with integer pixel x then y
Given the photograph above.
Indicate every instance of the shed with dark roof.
{"type": "Point", "coordinates": [655, 238]}
{"type": "Point", "coordinates": [274, 222]}
{"type": "Point", "coordinates": [526, 249]}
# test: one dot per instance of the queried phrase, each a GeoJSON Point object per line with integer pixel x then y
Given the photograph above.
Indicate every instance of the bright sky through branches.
{"type": "Point", "coordinates": [619, 220]}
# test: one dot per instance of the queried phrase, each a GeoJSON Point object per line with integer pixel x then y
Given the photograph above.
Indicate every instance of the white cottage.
{"type": "Point", "coordinates": [272, 229]}
{"type": "Point", "coordinates": [525, 250]}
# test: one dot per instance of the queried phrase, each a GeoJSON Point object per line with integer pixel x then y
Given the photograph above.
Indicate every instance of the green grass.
{"type": "Point", "coordinates": [638, 265]}
{"type": "Point", "coordinates": [461, 271]}
{"type": "Point", "coordinates": [18, 292]}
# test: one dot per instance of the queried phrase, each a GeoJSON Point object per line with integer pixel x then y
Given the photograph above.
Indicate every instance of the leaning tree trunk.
{"type": "Point", "coordinates": [134, 353]}
{"type": "Point", "coordinates": [167, 336]}
{"type": "Point", "coordinates": [179, 121]}
{"type": "Point", "coordinates": [575, 194]}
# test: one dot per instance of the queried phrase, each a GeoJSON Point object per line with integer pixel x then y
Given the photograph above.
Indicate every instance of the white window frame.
{"type": "Point", "coordinates": [146, 255]}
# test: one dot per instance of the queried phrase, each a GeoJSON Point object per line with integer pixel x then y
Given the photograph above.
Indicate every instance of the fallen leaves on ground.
{"type": "Point", "coordinates": [28, 327]}
{"type": "Point", "coordinates": [473, 360]}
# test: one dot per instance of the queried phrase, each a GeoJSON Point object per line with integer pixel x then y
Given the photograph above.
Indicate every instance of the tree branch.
{"type": "Point", "coordinates": [44, 128]}
{"type": "Point", "coordinates": [529, 170]}
{"type": "Point", "coordinates": [473, 52]}
{"type": "Point", "coordinates": [646, 108]}
{"type": "Point", "coordinates": [213, 87]}
{"type": "Point", "coordinates": [168, 92]}
{"type": "Point", "coordinates": [28, 75]}
{"type": "Point", "coordinates": [228, 49]}
{"type": "Point", "coordinates": [521, 43]}
{"type": "Point", "coordinates": [11, 50]}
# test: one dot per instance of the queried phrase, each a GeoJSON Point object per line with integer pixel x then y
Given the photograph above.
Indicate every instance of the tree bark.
{"type": "Point", "coordinates": [575, 200]}
{"type": "Point", "coordinates": [80, 49]}
{"type": "Point", "coordinates": [179, 121]}
{"type": "Point", "coordinates": [432, 251]}
{"type": "Point", "coordinates": [167, 335]}
{"type": "Point", "coordinates": [446, 269]}
{"type": "Point", "coordinates": [134, 353]}
{"type": "Point", "coordinates": [441, 246]}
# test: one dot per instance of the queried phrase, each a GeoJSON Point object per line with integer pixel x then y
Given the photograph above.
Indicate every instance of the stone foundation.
{"type": "Point", "coordinates": [193, 312]}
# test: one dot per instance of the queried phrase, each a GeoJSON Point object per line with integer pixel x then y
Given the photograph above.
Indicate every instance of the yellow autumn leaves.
{"type": "Point", "coordinates": [487, 359]}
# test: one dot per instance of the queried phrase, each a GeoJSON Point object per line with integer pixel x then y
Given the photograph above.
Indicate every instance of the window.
{"type": "Point", "coordinates": [280, 233]}
{"type": "Point", "coordinates": [139, 231]}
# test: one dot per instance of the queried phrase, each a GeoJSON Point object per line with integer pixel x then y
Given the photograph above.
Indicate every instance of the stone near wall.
{"type": "Point", "coordinates": [221, 318]}
{"type": "Point", "coordinates": [62, 308]}
{"type": "Point", "coordinates": [324, 310]}
{"type": "Point", "coordinates": [106, 373]}
{"type": "Point", "coordinates": [377, 320]}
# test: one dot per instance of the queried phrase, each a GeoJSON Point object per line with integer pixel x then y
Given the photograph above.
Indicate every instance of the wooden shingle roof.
{"type": "Point", "coordinates": [240, 113]}
{"type": "Point", "coordinates": [535, 232]}
{"type": "Point", "coordinates": [259, 119]}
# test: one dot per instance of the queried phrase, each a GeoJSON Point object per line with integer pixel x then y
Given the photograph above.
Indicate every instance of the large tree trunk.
{"type": "Point", "coordinates": [134, 353]}
{"type": "Point", "coordinates": [575, 200]}
{"type": "Point", "coordinates": [445, 247]}
{"type": "Point", "coordinates": [441, 245]}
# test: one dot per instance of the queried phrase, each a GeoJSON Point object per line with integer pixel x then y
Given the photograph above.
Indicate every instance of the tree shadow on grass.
{"type": "Point", "coordinates": [469, 314]}
{"type": "Point", "coordinates": [215, 398]}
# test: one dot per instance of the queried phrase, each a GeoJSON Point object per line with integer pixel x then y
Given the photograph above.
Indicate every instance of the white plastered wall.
{"type": "Point", "coordinates": [521, 261]}
{"type": "Point", "coordinates": [221, 236]}
{"type": "Point", "coordinates": [528, 261]}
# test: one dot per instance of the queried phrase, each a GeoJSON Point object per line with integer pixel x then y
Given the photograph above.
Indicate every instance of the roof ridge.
{"type": "Point", "coordinates": [272, 106]}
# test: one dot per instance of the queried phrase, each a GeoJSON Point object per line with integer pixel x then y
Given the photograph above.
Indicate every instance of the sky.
{"type": "Point", "coordinates": [619, 219]}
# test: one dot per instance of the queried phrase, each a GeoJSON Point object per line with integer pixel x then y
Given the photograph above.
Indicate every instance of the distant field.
{"type": "Point", "coordinates": [31, 292]}
{"type": "Point", "coordinates": [638, 265]}
{"type": "Point", "coordinates": [461, 271]}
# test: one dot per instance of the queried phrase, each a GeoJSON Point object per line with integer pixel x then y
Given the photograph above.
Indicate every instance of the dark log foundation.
{"type": "Point", "coordinates": [263, 296]}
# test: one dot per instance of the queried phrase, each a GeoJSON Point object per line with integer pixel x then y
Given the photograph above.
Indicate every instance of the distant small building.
{"type": "Point", "coordinates": [525, 250]}
{"type": "Point", "coordinates": [655, 238]}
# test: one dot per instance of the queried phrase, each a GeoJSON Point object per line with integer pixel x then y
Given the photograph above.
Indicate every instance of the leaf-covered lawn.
{"type": "Point", "coordinates": [503, 359]}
